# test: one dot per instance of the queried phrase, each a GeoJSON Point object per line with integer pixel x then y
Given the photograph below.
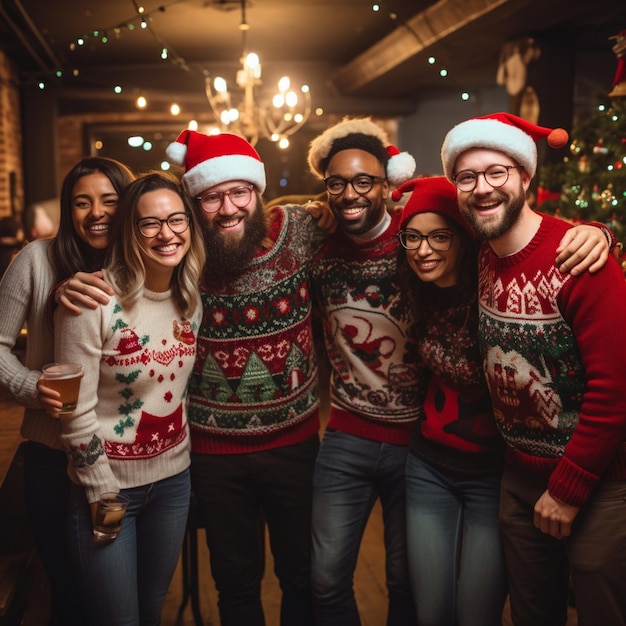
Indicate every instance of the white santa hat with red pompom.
{"type": "Point", "coordinates": [503, 132]}
{"type": "Point", "coordinates": [213, 159]}
{"type": "Point", "coordinates": [399, 168]}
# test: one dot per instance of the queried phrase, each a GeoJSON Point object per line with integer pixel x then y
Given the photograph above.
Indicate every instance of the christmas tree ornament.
{"type": "Point", "coordinates": [600, 148]}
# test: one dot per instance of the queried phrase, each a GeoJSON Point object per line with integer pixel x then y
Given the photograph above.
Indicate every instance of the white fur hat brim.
{"type": "Point", "coordinates": [489, 134]}
{"type": "Point", "coordinates": [224, 168]}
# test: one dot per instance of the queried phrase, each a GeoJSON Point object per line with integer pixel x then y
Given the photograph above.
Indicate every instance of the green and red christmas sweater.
{"type": "Point", "coordinates": [255, 382]}
{"type": "Point", "coordinates": [554, 348]}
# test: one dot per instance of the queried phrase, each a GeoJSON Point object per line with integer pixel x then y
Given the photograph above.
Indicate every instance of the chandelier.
{"type": "Point", "coordinates": [252, 118]}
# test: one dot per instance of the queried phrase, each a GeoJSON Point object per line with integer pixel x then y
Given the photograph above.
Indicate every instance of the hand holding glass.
{"type": "Point", "coordinates": [64, 378]}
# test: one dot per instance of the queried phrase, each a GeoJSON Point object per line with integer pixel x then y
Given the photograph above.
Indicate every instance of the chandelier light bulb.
{"type": "Point", "coordinates": [278, 101]}
{"type": "Point", "coordinates": [220, 85]}
{"type": "Point", "coordinates": [292, 99]}
{"type": "Point", "coordinates": [283, 144]}
{"type": "Point", "coordinates": [141, 102]}
{"type": "Point", "coordinates": [284, 83]}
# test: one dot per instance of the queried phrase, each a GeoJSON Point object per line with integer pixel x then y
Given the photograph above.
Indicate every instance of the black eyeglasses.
{"type": "Point", "coordinates": [362, 183]}
{"type": "Point", "coordinates": [212, 201]}
{"type": "Point", "coordinates": [496, 176]}
{"type": "Point", "coordinates": [151, 226]}
{"type": "Point", "coordinates": [440, 240]}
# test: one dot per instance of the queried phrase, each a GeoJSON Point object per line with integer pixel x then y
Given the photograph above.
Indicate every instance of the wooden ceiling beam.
{"type": "Point", "coordinates": [414, 36]}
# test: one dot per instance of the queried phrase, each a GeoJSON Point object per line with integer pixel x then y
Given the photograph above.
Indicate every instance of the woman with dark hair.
{"type": "Point", "coordinates": [456, 454]}
{"type": "Point", "coordinates": [91, 191]}
{"type": "Point", "coordinates": [129, 432]}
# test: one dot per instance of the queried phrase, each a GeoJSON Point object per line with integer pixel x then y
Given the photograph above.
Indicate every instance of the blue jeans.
{"type": "Point", "coordinates": [237, 495]}
{"type": "Point", "coordinates": [456, 560]}
{"type": "Point", "coordinates": [351, 473]}
{"type": "Point", "coordinates": [125, 582]}
{"type": "Point", "coordinates": [46, 494]}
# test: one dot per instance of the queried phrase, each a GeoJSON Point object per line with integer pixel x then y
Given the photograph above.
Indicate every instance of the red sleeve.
{"type": "Point", "coordinates": [595, 307]}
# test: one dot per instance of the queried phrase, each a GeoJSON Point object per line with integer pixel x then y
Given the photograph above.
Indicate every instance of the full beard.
{"type": "Point", "coordinates": [493, 227]}
{"type": "Point", "coordinates": [229, 254]}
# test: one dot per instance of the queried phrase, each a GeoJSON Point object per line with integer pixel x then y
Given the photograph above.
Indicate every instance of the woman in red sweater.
{"type": "Point", "coordinates": [456, 453]}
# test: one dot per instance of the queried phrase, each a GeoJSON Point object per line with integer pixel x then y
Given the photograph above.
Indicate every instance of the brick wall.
{"type": "Point", "coordinates": [11, 172]}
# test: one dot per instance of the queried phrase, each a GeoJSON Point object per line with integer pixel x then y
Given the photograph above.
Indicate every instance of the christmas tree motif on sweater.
{"type": "Point", "coordinates": [257, 383]}
{"type": "Point", "coordinates": [153, 434]}
{"type": "Point", "coordinates": [293, 365]}
{"type": "Point", "coordinates": [213, 383]}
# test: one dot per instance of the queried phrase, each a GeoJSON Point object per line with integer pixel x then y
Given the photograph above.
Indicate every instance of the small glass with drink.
{"type": "Point", "coordinates": [64, 378]}
{"type": "Point", "coordinates": [109, 516]}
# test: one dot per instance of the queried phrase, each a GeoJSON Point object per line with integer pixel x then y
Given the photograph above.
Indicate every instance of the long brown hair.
{"type": "Point", "coordinates": [68, 252]}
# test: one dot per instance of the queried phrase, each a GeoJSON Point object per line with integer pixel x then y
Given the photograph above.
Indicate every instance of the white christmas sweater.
{"type": "Point", "coordinates": [130, 425]}
{"type": "Point", "coordinates": [24, 293]}
{"type": "Point", "coordinates": [376, 380]}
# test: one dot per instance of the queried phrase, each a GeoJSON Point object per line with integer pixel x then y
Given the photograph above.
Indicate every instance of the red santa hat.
{"type": "Point", "coordinates": [503, 132]}
{"type": "Point", "coordinates": [360, 134]}
{"type": "Point", "coordinates": [432, 194]}
{"type": "Point", "coordinates": [213, 159]}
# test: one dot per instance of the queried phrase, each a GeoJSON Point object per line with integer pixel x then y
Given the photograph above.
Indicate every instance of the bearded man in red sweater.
{"type": "Point", "coordinates": [553, 346]}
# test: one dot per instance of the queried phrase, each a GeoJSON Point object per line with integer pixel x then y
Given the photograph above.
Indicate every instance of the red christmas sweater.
{"type": "Point", "coordinates": [554, 348]}
{"type": "Point", "coordinates": [458, 431]}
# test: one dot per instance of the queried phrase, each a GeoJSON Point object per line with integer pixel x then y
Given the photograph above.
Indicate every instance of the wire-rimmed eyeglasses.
{"type": "Point", "coordinates": [151, 226]}
{"type": "Point", "coordinates": [495, 176]}
{"type": "Point", "coordinates": [362, 183]}
{"type": "Point", "coordinates": [440, 240]}
{"type": "Point", "coordinates": [212, 201]}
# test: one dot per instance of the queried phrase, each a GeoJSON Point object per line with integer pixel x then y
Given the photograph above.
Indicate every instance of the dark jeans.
{"type": "Point", "coordinates": [237, 494]}
{"type": "Point", "coordinates": [539, 565]}
{"type": "Point", "coordinates": [47, 488]}
{"type": "Point", "coordinates": [351, 473]}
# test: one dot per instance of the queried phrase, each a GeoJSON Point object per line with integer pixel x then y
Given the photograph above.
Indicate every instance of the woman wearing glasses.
{"type": "Point", "coordinates": [453, 472]}
{"type": "Point", "coordinates": [129, 433]}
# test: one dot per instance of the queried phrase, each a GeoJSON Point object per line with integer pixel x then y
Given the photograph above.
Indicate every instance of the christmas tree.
{"type": "Point", "coordinates": [590, 183]}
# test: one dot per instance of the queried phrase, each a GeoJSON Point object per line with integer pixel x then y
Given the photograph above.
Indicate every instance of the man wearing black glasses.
{"type": "Point", "coordinates": [375, 381]}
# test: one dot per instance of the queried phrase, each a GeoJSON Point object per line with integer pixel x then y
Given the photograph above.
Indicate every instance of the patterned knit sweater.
{"type": "Point", "coordinates": [130, 424]}
{"type": "Point", "coordinates": [458, 431]}
{"type": "Point", "coordinates": [254, 385]}
{"type": "Point", "coordinates": [375, 377]}
{"type": "Point", "coordinates": [554, 349]}
{"type": "Point", "coordinates": [24, 293]}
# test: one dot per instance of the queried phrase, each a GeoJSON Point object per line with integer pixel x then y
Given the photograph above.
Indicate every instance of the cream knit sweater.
{"type": "Point", "coordinates": [130, 424]}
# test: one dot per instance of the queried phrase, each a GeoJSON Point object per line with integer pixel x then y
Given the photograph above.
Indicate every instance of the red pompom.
{"type": "Point", "coordinates": [558, 138]}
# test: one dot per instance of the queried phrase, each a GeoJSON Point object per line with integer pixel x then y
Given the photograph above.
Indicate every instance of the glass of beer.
{"type": "Point", "coordinates": [64, 378]}
{"type": "Point", "coordinates": [109, 516]}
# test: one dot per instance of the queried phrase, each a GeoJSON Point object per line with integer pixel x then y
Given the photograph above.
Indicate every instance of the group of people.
{"type": "Point", "coordinates": [475, 387]}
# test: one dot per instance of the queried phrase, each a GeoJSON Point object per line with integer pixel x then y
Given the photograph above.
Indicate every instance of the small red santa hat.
{"type": "Point", "coordinates": [213, 159]}
{"type": "Point", "coordinates": [360, 134]}
{"type": "Point", "coordinates": [430, 194]}
{"type": "Point", "coordinates": [503, 132]}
